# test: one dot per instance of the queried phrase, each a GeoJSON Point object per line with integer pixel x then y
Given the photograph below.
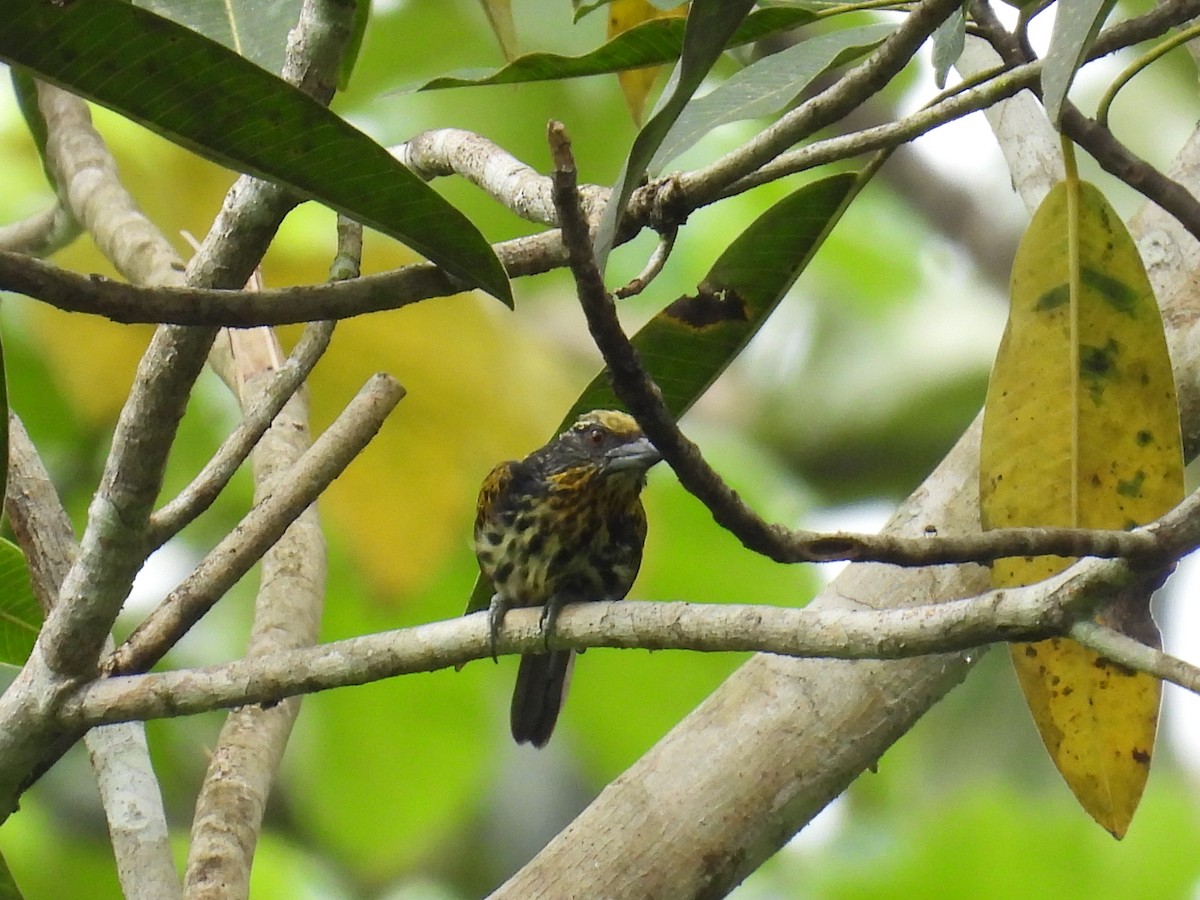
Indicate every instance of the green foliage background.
{"type": "Point", "coordinates": [411, 787]}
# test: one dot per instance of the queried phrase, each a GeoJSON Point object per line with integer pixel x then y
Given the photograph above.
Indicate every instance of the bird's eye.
{"type": "Point", "coordinates": [596, 436]}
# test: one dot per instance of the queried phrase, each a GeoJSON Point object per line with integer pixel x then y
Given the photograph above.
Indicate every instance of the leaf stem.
{"type": "Point", "coordinates": [1142, 62]}
{"type": "Point", "coordinates": [1074, 285]}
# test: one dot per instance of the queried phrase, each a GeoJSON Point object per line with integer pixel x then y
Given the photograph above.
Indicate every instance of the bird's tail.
{"type": "Point", "coordinates": [541, 689]}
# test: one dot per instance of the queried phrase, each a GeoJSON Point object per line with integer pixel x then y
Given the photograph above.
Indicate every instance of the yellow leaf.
{"type": "Point", "coordinates": [636, 84]}
{"type": "Point", "coordinates": [1081, 429]}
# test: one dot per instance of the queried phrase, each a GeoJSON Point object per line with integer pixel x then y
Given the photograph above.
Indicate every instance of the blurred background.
{"type": "Point", "coordinates": [411, 788]}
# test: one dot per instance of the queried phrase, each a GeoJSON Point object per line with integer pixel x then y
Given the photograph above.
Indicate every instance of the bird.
{"type": "Point", "coordinates": [563, 525]}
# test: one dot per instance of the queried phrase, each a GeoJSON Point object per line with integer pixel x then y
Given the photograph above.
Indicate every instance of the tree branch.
{"type": "Point", "coordinates": [42, 233]}
{"type": "Point", "coordinates": [211, 480]}
{"type": "Point", "coordinates": [1053, 607]}
{"type": "Point", "coordinates": [120, 757]}
{"type": "Point", "coordinates": [278, 508]}
{"type": "Point", "coordinates": [521, 188]}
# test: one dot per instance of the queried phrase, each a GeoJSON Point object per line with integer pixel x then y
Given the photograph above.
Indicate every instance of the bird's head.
{"type": "Point", "coordinates": [603, 441]}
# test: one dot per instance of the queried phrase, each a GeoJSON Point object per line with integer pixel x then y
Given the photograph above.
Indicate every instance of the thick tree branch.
{"type": "Point", "coordinates": [133, 806]}
{"type": "Point", "coordinates": [287, 614]}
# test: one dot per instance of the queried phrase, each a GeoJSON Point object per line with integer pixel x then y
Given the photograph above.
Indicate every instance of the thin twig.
{"type": "Point", "coordinates": [347, 262]}
{"type": "Point", "coordinates": [1135, 655]}
{"type": "Point", "coordinates": [654, 265]}
{"type": "Point", "coordinates": [261, 527]}
{"type": "Point", "coordinates": [211, 480]}
{"type": "Point", "coordinates": [831, 104]}
{"type": "Point", "coordinates": [521, 188]}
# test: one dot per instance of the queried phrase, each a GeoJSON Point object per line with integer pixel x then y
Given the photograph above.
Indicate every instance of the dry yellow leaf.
{"type": "Point", "coordinates": [1081, 429]}
{"type": "Point", "coordinates": [636, 84]}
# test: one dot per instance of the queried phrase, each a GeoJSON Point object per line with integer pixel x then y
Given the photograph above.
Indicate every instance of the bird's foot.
{"type": "Point", "coordinates": [496, 610]}
{"type": "Point", "coordinates": [549, 617]}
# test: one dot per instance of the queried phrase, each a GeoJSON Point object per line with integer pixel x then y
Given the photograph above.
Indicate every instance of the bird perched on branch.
{"type": "Point", "coordinates": [563, 525]}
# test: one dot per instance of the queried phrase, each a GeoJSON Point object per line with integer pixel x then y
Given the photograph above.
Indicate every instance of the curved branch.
{"type": "Point", "coordinates": [42, 233]}
{"type": "Point", "coordinates": [524, 190]}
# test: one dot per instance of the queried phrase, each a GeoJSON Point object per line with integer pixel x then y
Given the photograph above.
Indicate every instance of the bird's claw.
{"type": "Point", "coordinates": [548, 619]}
{"type": "Point", "coordinates": [496, 610]}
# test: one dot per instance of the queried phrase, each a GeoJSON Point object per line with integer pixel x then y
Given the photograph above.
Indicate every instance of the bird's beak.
{"type": "Point", "coordinates": [639, 454]}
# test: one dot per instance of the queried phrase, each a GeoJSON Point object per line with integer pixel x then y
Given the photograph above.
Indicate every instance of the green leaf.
{"type": "Point", "coordinates": [203, 96]}
{"type": "Point", "coordinates": [8, 885]}
{"type": "Point", "coordinates": [948, 43]}
{"type": "Point", "coordinates": [20, 614]}
{"type": "Point", "coordinates": [1076, 24]}
{"type": "Point", "coordinates": [652, 43]}
{"type": "Point", "coordinates": [694, 339]}
{"type": "Point", "coordinates": [710, 26]}
{"type": "Point", "coordinates": [769, 85]}
{"type": "Point", "coordinates": [254, 30]}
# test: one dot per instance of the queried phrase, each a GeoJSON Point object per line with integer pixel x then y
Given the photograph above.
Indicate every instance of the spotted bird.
{"type": "Point", "coordinates": [563, 525]}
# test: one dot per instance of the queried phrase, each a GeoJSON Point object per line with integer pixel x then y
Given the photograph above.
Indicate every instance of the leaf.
{"type": "Point", "coordinates": [203, 96]}
{"type": "Point", "coordinates": [652, 43]}
{"type": "Point", "coordinates": [582, 8]}
{"type": "Point", "coordinates": [1081, 428]}
{"type": "Point", "coordinates": [500, 18]}
{"type": "Point", "coordinates": [8, 884]}
{"type": "Point", "coordinates": [766, 87]}
{"type": "Point", "coordinates": [710, 25]}
{"type": "Point", "coordinates": [948, 42]}
{"type": "Point", "coordinates": [20, 614]}
{"type": "Point", "coordinates": [1076, 24]}
{"type": "Point", "coordinates": [256, 31]}
{"type": "Point", "coordinates": [637, 83]}
{"type": "Point", "coordinates": [692, 341]}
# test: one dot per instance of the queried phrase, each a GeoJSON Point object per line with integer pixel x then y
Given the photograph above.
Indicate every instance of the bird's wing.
{"type": "Point", "coordinates": [494, 486]}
